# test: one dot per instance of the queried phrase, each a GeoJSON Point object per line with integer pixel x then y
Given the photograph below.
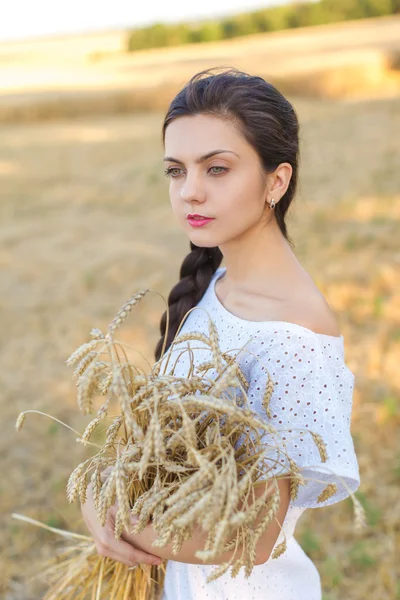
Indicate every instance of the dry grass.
{"type": "Point", "coordinates": [68, 77]}
{"type": "Point", "coordinates": [85, 213]}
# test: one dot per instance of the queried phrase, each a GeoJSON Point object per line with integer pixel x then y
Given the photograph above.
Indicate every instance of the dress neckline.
{"type": "Point", "coordinates": [227, 314]}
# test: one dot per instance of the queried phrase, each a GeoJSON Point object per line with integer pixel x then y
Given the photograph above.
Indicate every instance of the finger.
{"type": "Point", "coordinates": [134, 519]}
{"type": "Point", "coordinates": [143, 558]}
{"type": "Point", "coordinates": [140, 556]}
{"type": "Point", "coordinates": [124, 552]}
{"type": "Point", "coordinates": [124, 549]}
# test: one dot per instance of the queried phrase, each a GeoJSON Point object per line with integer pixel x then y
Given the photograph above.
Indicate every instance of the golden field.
{"type": "Point", "coordinates": [92, 74]}
{"type": "Point", "coordinates": [86, 221]}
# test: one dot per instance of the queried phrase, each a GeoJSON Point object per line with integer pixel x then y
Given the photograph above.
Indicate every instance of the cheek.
{"type": "Point", "coordinates": [242, 201]}
{"type": "Point", "coordinates": [176, 204]}
{"type": "Point", "coordinates": [173, 192]}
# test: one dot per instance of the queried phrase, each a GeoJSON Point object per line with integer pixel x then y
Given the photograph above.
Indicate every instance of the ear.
{"type": "Point", "coordinates": [279, 181]}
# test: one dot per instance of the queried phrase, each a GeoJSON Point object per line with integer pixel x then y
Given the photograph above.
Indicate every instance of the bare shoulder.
{"type": "Point", "coordinates": [311, 309]}
{"type": "Point", "coordinates": [301, 303]}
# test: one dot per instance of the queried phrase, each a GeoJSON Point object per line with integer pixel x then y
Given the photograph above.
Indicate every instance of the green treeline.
{"type": "Point", "coordinates": [295, 14]}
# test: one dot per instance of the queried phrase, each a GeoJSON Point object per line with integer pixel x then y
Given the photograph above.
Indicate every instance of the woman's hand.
{"type": "Point", "coordinates": [104, 538]}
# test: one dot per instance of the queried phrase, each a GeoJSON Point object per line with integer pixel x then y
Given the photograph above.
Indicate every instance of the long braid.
{"type": "Point", "coordinates": [195, 274]}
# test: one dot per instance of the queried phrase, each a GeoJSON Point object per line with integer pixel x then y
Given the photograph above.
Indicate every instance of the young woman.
{"type": "Point", "coordinates": [231, 152]}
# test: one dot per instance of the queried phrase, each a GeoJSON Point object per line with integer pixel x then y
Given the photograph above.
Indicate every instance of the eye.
{"type": "Point", "coordinates": [223, 169]}
{"type": "Point", "coordinates": [172, 171]}
{"type": "Point", "coordinates": [169, 172]}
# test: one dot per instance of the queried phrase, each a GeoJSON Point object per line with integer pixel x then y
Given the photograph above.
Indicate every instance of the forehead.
{"type": "Point", "coordinates": [201, 133]}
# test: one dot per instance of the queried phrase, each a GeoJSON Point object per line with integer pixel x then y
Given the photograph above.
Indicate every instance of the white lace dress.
{"type": "Point", "coordinates": [313, 389]}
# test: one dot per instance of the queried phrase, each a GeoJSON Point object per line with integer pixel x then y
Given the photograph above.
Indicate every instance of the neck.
{"type": "Point", "coordinates": [260, 261]}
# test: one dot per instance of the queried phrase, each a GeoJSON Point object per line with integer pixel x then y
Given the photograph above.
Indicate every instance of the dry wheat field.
{"type": "Point", "coordinates": [86, 221]}
{"type": "Point", "coordinates": [92, 74]}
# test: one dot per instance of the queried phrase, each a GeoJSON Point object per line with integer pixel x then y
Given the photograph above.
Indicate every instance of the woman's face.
{"type": "Point", "coordinates": [214, 172]}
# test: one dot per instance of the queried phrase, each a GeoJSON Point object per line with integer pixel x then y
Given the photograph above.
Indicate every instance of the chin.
{"type": "Point", "coordinates": [201, 243]}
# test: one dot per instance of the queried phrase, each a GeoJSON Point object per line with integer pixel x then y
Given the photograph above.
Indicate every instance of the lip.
{"type": "Point", "coordinates": [192, 215]}
{"type": "Point", "coordinates": [198, 222]}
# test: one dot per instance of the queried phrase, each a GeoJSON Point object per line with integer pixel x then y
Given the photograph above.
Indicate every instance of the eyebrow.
{"type": "Point", "coordinates": [201, 158]}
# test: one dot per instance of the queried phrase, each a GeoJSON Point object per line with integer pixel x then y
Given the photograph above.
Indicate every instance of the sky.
{"type": "Point", "coordinates": [37, 18]}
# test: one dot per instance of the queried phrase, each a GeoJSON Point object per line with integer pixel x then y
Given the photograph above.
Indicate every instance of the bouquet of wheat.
{"type": "Point", "coordinates": [181, 452]}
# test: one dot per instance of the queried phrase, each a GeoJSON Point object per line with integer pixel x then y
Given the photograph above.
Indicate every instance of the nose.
{"type": "Point", "coordinates": [192, 190]}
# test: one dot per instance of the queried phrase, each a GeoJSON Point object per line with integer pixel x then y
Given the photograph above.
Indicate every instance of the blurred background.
{"type": "Point", "coordinates": [86, 221]}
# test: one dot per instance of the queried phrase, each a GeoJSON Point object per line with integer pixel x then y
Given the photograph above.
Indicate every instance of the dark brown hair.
{"type": "Point", "coordinates": [268, 122]}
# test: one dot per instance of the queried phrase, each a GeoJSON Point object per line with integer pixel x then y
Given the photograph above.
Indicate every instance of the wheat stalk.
{"type": "Point", "coordinates": [182, 451]}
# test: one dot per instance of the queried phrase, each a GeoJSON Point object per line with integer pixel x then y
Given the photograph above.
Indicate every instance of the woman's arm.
{"type": "Point", "coordinates": [104, 538]}
{"type": "Point", "coordinates": [144, 540]}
